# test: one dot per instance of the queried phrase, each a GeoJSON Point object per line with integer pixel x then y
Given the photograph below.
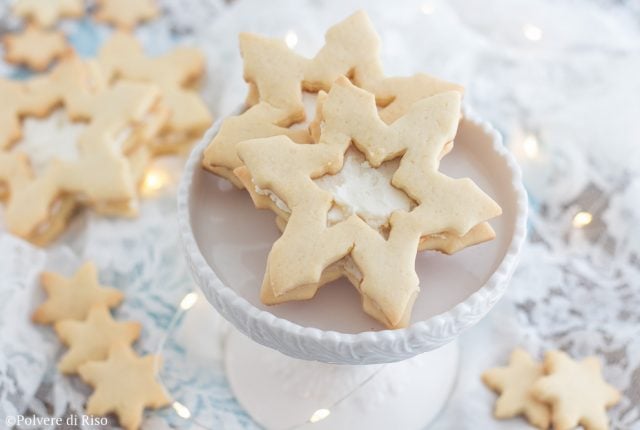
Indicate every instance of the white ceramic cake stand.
{"type": "Point", "coordinates": [323, 363]}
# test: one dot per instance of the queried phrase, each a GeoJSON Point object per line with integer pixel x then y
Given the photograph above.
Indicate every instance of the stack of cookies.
{"type": "Point", "coordinates": [83, 132]}
{"type": "Point", "coordinates": [560, 392]}
{"type": "Point", "coordinates": [100, 347]}
{"type": "Point", "coordinates": [347, 159]}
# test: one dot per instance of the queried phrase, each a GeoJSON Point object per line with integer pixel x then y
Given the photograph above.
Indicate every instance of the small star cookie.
{"type": "Point", "coordinates": [45, 13]}
{"type": "Point", "coordinates": [513, 383]}
{"type": "Point", "coordinates": [124, 384]}
{"type": "Point", "coordinates": [71, 298]}
{"type": "Point", "coordinates": [576, 391]}
{"type": "Point", "coordinates": [90, 340]}
{"type": "Point", "coordinates": [126, 14]}
{"type": "Point", "coordinates": [35, 48]}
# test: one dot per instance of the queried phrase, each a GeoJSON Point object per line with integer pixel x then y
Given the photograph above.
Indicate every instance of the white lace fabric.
{"type": "Point", "coordinates": [575, 89]}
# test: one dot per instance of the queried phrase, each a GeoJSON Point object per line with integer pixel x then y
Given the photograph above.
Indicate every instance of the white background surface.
{"type": "Point", "coordinates": [577, 89]}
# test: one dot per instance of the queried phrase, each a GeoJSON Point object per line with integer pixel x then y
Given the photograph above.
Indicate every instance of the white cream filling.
{"type": "Point", "coordinates": [365, 191]}
{"type": "Point", "coordinates": [358, 189]}
{"type": "Point", "coordinates": [274, 198]}
{"type": "Point", "coordinates": [53, 137]}
{"type": "Point", "coordinates": [56, 137]}
{"type": "Point", "coordinates": [121, 138]}
{"type": "Point", "coordinates": [42, 228]}
{"type": "Point", "coordinates": [351, 269]}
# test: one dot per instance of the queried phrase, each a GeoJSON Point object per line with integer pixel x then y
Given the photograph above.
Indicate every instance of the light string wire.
{"type": "Point", "coordinates": [529, 145]}
{"type": "Point", "coordinates": [345, 397]}
{"type": "Point", "coordinates": [185, 305]}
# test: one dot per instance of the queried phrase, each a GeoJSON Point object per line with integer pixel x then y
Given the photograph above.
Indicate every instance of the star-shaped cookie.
{"type": "Point", "coordinates": [311, 243]}
{"type": "Point", "coordinates": [45, 13]}
{"type": "Point", "coordinates": [34, 47]}
{"type": "Point", "coordinates": [576, 392]}
{"type": "Point", "coordinates": [126, 14]}
{"type": "Point", "coordinates": [124, 384]}
{"type": "Point", "coordinates": [90, 340]}
{"type": "Point", "coordinates": [514, 383]}
{"type": "Point", "coordinates": [71, 298]}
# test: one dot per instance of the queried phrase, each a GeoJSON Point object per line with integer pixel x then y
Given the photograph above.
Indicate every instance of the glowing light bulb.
{"type": "Point", "coordinates": [427, 8]}
{"type": "Point", "coordinates": [532, 32]}
{"type": "Point", "coordinates": [319, 415]}
{"type": "Point", "coordinates": [582, 219]}
{"type": "Point", "coordinates": [181, 410]}
{"type": "Point", "coordinates": [530, 146]}
{"type": "Point", "coordinates": [188, 301]}
{"type": "Point", "coordinates": [291, 39]}
{"type": "Point", "coordinates": [154, 181]}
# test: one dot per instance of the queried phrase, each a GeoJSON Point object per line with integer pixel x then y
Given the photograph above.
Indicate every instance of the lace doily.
{"type": "Point", "coordinates": [560, 82]}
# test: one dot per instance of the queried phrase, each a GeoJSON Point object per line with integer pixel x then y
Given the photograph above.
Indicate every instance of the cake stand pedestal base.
{"type": "Point", "coordinates": [284, 393]}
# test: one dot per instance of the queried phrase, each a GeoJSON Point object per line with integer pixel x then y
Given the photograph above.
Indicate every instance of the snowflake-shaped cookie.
{"type": "Point", "coordinates": [445, 242]}
{"type": "Point", "coordinates": [312, 242]}
{"type": "Point", "coordinates": [111, 151]}
{"type": "Point", "coordinates": [122, 57]}
{"type": "Point", "coordinates": [278, 75]}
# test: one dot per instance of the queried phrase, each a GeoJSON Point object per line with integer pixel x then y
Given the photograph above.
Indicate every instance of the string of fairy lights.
{"type": "Point", "coordinates": [527, 148]}
{"type": "Point", "coordinates": [186, 304]}
{"type": "Point", "coordinates": [157, 178]}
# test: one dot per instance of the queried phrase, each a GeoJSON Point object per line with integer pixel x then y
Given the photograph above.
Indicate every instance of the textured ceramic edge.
{"type": "Point", "coordinates": [384, 346]}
